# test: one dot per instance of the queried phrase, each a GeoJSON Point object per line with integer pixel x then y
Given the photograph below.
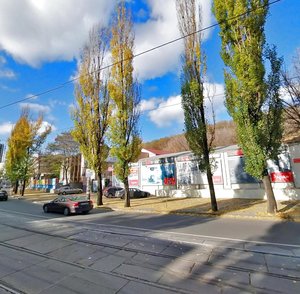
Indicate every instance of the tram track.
{"type": "Point", "coordinates": [135, 251]}
{"type": "Point", "coordinates": [42, 222]}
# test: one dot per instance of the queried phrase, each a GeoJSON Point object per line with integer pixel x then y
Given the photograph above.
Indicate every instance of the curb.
{"type": "Point", "coordinates": [264, 218]}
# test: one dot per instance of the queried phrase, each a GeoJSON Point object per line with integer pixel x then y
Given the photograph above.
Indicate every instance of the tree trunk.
{"type": "Point", "coordinates": [23, 188]}
{"type": "Point", "coordinates": [271, 201]}
{"type": "Point", "coordinates": [100, 190]}
{"type": "Point", "coordinates": [16, 187]}
{"type": "Point", "coordinates": [213, 200]}
{"type": "Point", "coordinates": [127, 195]}
{"type": "Point", "coordinates": [66, 176]}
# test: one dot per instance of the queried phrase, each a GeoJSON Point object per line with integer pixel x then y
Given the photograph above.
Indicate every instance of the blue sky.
{"type": "Point", "coordinates": [40, 42]}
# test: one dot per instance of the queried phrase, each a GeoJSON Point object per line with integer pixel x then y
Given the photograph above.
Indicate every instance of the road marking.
{"type": "Point", "coordinates": [156, 231]}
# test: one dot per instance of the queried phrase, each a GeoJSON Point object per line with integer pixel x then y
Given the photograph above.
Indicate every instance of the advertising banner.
{"type": "Point", "coordinates": [237, 171]}
{"type": "Point", "coordinates": [188, 173]}
{"type": "Point", "coordinates": [133, 178]}
{"type": "Point", "coordinates": [282, 177]}
{"type": "Point", "coordinates": [151, 174]}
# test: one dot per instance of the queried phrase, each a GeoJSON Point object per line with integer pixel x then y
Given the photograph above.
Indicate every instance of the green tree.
{"type": "Point", "coordinates": [63, 150]}
{"type": "Point", "coordinates": [125, 93]}
{"type": "Point", "coordinates": [92, 113]}
{"type": "Point", "coordinates": [252, 97]}
{"type": "Point", "coordinates": [24, 143]}
{"type": "Point", "coordinates": [197, 128]}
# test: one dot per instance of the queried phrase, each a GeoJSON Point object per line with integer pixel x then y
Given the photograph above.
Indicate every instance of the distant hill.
{"type": "Point", "coordinates": [224, 135]}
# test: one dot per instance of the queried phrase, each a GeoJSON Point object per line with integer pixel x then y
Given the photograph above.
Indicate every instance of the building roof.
{"type": "Point", "coordinates": [156, 151]}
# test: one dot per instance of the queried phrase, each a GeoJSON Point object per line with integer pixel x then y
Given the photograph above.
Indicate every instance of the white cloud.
{"type": "Point", "coordinates": [160, 28]}
{"type": "Point", "coordinates": [216, 93]}
{"type": "Point", "coordinates": [170, 112]}
{"type": "Point", "coordinates": [45, 125]}
{"type": "Point", "coordinates": [149, 104]}
{"type": "Point", "coordinates": [35, 107]}
{"type": "Point", "coordinates": [35, 31]}
{"type": "Point", "coordinates": [6, 128]}
{"type": "Point", "coordinates": [55, 102]}
{"type": "Point", "coordinates": [7, 73]}
{"type": "Point", "coordinates": [57, 30]}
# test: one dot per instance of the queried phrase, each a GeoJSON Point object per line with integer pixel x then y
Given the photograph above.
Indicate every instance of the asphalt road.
{"type": "Point", "coordinates": [117, 252]}
{"type": "Point", "coordinates": [281, 232]}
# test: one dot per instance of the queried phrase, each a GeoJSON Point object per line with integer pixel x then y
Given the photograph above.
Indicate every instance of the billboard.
{"type": "Point", "coordinates": [151, 174]}
{"type": "Point", "coordinates": [238, 175]}
{"type": "Point", "coordinates": [133, 178]}
{"type": "Point", "coordinates": [188, 173]}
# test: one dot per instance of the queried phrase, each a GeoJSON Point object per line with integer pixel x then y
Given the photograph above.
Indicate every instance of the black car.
{"type": "Point", "coordinates": [134, 193]}
{"type": "Point", "coordinates": [110, 192]}
{"type": "Point", "coordinates": [69, 204]}
{"type": "Point", "coordinates": [3, 195]}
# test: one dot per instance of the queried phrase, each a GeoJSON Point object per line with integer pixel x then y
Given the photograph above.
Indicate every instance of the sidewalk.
{"type": "Point", "coordinates": [232, 208]}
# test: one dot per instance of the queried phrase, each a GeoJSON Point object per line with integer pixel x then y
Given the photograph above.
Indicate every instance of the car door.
{"type": "Point", "coordinates": [53, 205]}
{"type": "Point", "coordinates": [61, 204]}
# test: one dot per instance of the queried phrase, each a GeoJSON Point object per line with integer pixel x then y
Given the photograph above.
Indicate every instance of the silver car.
{"type": "Point", "coordinates": [68, 190]}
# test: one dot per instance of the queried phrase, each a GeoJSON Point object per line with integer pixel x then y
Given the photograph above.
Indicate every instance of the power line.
{"type": "Point", "coordinates": [136, 55]}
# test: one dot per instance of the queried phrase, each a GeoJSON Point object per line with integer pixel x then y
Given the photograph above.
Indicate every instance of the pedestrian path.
{"type": "Point", "coordinates": [125, 260]}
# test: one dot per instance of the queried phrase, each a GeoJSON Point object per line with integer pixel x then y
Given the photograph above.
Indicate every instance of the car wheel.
{"type": "Point", "coordinates": [110, 195]}
{"type": "Point", "coordinates": [64, 193]}
{"type": "Point", "coordinates": [66, 211]}
{"type": "Point", "coordinates": [46, 209]}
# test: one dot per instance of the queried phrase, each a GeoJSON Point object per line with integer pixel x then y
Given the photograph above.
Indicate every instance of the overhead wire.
{"type": "Point", "coordinates": [59, 86]}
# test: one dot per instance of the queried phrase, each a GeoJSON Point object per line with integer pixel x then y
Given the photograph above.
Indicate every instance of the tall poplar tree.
{"type": "Point", "coordinates": [92, 113]}
{"type": "Point", "coordinates": [252, 96]}
{"type": "Point", "coordinates": [192, 90]}
{"type": "Point", "coordinates": [125, 93]}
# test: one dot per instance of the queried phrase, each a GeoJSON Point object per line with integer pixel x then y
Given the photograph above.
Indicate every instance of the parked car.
{"type": "Point", "coordinates": [133, 192]}
{"type": "Point", "coordinates": [68, 190]}
{"type": "Point", "coordinates": [110, 192]}
{"type": "Point", "coordinates": [69, 204]}
{"type": "Point", "coordinates": [3, 195]}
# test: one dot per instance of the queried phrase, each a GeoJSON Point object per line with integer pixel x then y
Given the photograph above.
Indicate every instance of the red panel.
{"type": "Point", "coordinates": [282, 177]}
{"type": "Point", "coordinates": [133, 182]}
{"type": "Point", "coordinates": [217, 180]}
{"type": "Point", "coordinates": [170, 181]}
{"type": "Point", "coordinates": [296, 160]}
{"type": "Point", "coordinates": [239, 152]}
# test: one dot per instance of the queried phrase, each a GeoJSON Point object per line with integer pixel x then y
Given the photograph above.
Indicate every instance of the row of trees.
{"type": "Point", "coordinates": [252, 93]}
{"type": "Point", "coordinates": [106, 112]}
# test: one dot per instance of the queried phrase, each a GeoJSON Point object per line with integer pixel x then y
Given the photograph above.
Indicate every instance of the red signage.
{"type": "Point", "coordinates": [239, 152]}
{"type": "Point", "coordinates": [133, 182]}
{"type": "Point", "coordinates": [170, 181]}
{"type": "Point", "coordinates": [296, 160]}
{"type": "Point", "coordinates": [217, 180]}
{"type": "Point", "coordinates": [282, 177]}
